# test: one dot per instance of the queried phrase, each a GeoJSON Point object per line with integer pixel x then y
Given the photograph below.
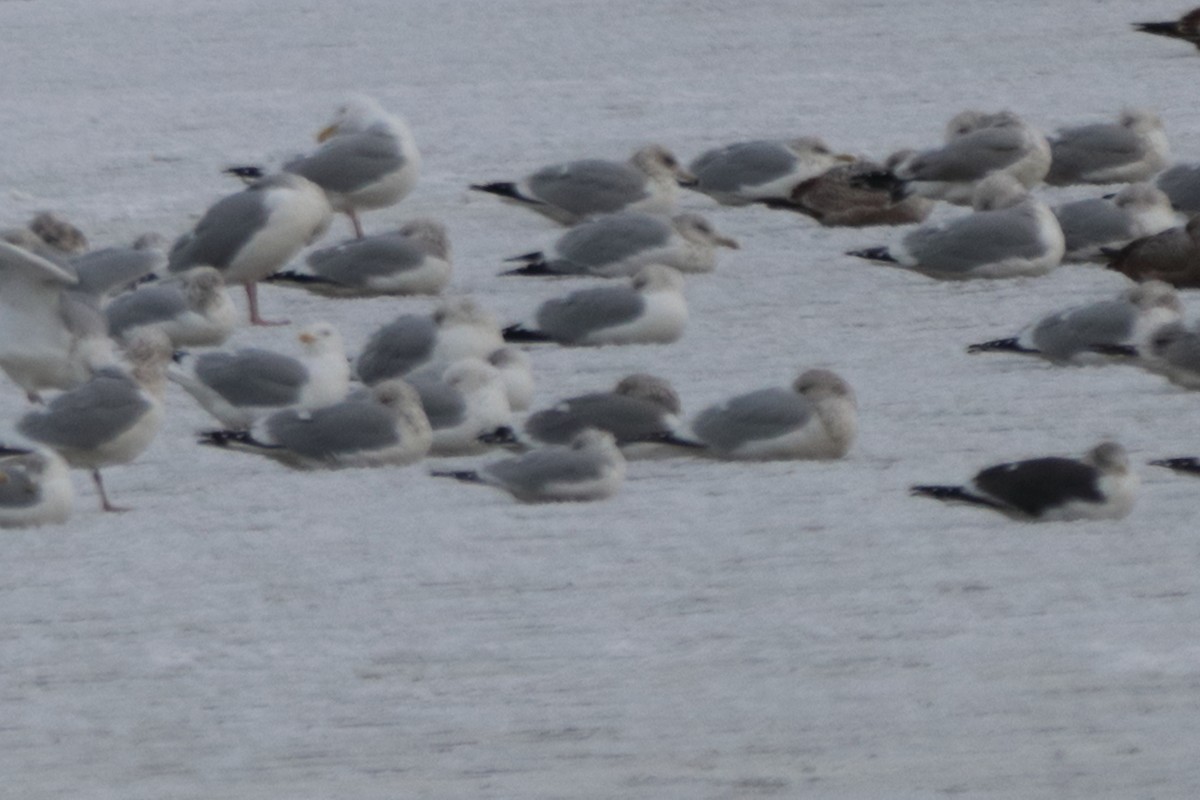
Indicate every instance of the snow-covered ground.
{"type": "Point", "coordinates": [714, 631]}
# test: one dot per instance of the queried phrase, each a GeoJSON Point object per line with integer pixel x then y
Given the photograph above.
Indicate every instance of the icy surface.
{"type": "Point", "coordinates": [715, 630]}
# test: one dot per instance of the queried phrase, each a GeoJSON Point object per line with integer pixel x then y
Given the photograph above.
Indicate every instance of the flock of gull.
{"type": "Point", "coordinates": [106, 331]}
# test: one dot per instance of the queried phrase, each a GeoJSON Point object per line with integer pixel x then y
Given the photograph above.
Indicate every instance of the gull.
{"type": "Point", "coordinates": [59, 233]}
{"type": "Point", "coordinates": [1132, 149]}
{"type": "Point", "coordinates": [457, 328]}
{"type": "Point", "coordinates": [1078, 334]}
{"type": "Point", "coordinates": [977, 145]}
{"type": "Point", "coordinates": [111, 270]}
{"type": "Point", "coordinates": [1100, 485]}
{"type": "Point", "coordinates": [241, 387]}
{"type": "Point", "coordinates": [843, 196]}
{"type": "Point", "coordinates": [1186, 28]}
{"type": "Point", "coordinates": [368, 159]}
{"type": "Point", "coordinates": [110, 419]}
{"type": "Point", "coordinates": [1172, 255]}
{"type": "Point", "coordinates": [1172, 351]}
{"type": "Point", "coordinates": [591, 467]}
{"type": "Point", "coordinates": [51, 337]}
{"type": "Point", "coordinates": [414, 259]}
{"type": "Point", "coordinates": [194, 310]}
{"type": "Point", "coordinates": [815, 418]}
{"type": "Point", "coordinates": [651, 310]}
{"type": "Point", "coordinates": [1188, 465]}
{"type": "Point", "coordinates": [640, 409]}
{"type": "Point", "coordinates": [1136, 211]}
{"type": "Point", "coordinates": [35, 488]}
{"type": "Point", "coordinates": [250, 234]}
{"type": "Point", "coordinates": [467, 401]}
{"type": "Point", "coordinates": [762, 170]}
{"type": "Point", "coordinates": [1182, 184]}
{"type": "Point", "coordinates": [572, 192]}
{"type": "Point", "coordinates": [384, 426]}
{"type": "Point", "coordinates": [1010, 234]}
{"type": "Point", "coordinates": [618, 245]}
{"type": "Point", "coordinates": [517, 374]}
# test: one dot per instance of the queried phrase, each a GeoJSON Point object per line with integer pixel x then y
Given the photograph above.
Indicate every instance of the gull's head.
{"type": "Point", "coordinates": [471, 375]}
{"type": "Point", "coordinates": [699, 230]}
{"type": "Point", "coordinates": [657, 278]}
{"type": "Point", "coordinates": [320, 338]}
{"type": "Point", "coordinates": [1140, 120]}
{"type": "Point", "coordinates": [819, 384]}
{"type": "Point", "coordinates": [1108, 457]}
{"type": "Point", "coordinates": [998, 191]}
{"type": "Point", "coordinates": [1141, 196]}
{"type": "Point", "coordinates": [650, 388]}
{"type": "Point", "coordinates": [429, 234]}
{"type": "Point", "coordinates": [659, 162]}
{"type": "Point", "coordinates": [1155, 294]}
{"type": "Point", "coordinates": [462, 311]}
{"type": "Point", "coordinates": [359, 113]}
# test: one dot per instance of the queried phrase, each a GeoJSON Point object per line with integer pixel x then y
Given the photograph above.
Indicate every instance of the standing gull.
{"type": "Point", "coordinates": [368, 159]}
{"type": "Point", "coordinates": [248, 235]}
{"type": "Point", "coordinates": [816, 418]}
{"type": "Point", "coordinates": [35, 488]}
{"type": "Point", "coordinates": [241, 387]}
{"type": "Point", "coordinates": [458, 328]}
{"type": "Point", "coordinates": [763, 170]}
{"type": "Point", "coordinates": [571, 192]}
{"type": "Point", "coordinates": [414, 259]}
{"type": "Point", "coordinates": [591, 467]}
{"type": "Point", "coordinates": [1134, 148]}
{"type": "Point", "coordinates": [1089, 225]}
{"type": "Point", "coordinates": [1010, 234]}
{"type": "Point", "coordinates": [618, 245]}
{"type": "Point", "coordinates": [1101, 485]}
{"type": "Point", "coordinates": [382, 427]}
{"type": "Point", "coordinates": [112, 417]}
{"type": "Point", "coordinates": [194, 310]}
{"type": "Point", "coordinates": [1079, 334]}
{"type": "Point", "coordinates": [651, 310]}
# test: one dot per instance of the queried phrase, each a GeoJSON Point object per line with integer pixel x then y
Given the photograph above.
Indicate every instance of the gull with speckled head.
{"type": "Point", "coordinates": [194, 310]}
{"type": "Point", "coordinates": [35, 488]}
{"type": "Point", "coordinates": [464, 403]}
{"type": "Point", "coordinates": [368, 159]}
{"type": "Point", "coordinates": [249, 235]}
{"type": "Point", "coordinates": [577, 190]}
{"type": "Point", "coordinates": [1134, 148]}
{"type": "Point", "coordinates": [1092, 225]}
{"type": "Point", "coordinates": [1101, 485]}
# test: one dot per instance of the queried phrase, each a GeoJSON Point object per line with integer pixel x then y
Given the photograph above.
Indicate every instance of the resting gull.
{"type": "Point", "coordinates": [368, 159]}
{"type": "Point", "coordinates": [35, 488]}
{"type": "Point", "coordinates": [1172, 351]}
{"type": "Point", "coordinates": [467, 401]}
{"type": "Point", "coordinates": [458, 328]}
{"type": "Point", "coordinates": [382, 427]}
{"type": "Point", "coordinates": [517, 373]}
{"type": "Point", "coordinates": [1182, 184]}
{"type": "Point", "coordinates": [618, 245]}
{"type": "Point", "coordinates": [51, 336]}
{"type": "Point", "coordinates": [762, 170]}
{"type": "Point", "coordinates": [844, 196]}
{"type": "Point", "coordinates": [591, 467]}
{"type": "Point", "coordinates": [1186, 28]}
{"type": "Point", "coordinates": [112, 270]}
{"type": "Point", "coordinates": [1081, 333]}
{"type": "Point", "coordinates": [1172, 255]}
{"type": "Point", "coordinates": [194, 310]}
{"type": "Point", "coordinates": [815, 418]}
{"type": "Point", "coordinates": [1101, 485]}
{"type": "Point", "coordinates": [1088, 225]}
{"type": "Point", "coordinates": [414, 259]}
{"type": "Point", "coordinates": [1010, 234]}
{"type": "Point", "coordinates": [112, 417]}
{"type": "Point", "coordinates": [249, 235]}
{"type": "Point", "coordinates": [651, 310]}
{"type": "Point", "coordinates": [572, 192]}
{"type": "Point", "coordinates": [1134, 148]}
{"type": "Point", "coordinates": [241, 387]}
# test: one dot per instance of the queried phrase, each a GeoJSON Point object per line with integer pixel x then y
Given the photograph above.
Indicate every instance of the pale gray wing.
{"type": "Point", "coordinates": [253, 378]}
{"type": "Point", "coordinates": [444, 405]}
{"type": "Point", "coordinates": [348, 427]}
{"type": "Point", "coordinates": [529, 475]}
{"type": "Point", "coordinates": [355, 262]}
{"type": "Point", "coordinates": [727, 169]}
{"type": "Point", "coordinates": [351, 161]}
{"type": "Point", "coordinates": [975, 240]}
{"type": "Point", "coordinates": [1087, 223]}
{"type": "Point", "coordinates": [85, 418]}
{"type": "Point", "coordinates": [764, 414]}
{"type": "Point", "coordinates": [591, 186]}
{"type": "Point", "coordinates": [114, 268]}
{"type": "Point", "coordinates": [19, 488]}
{"type": "Point", "coordinates": [1076, 330]}
{"type": "Point", "coordinates": [145, 306]}
{"type": "Point", "coordinates": [607, 240]}
{"type": "Point", "coordinates": [969, 157]}
{"type": "Point", "coordinates": [1183, 352]}
{"type": "Point", "coordinates": [628, 419]}
{"type": "Point", "coordinates": [570, 319]}
{"type": "Point", "coordinates": [1078, 151]}
{"type": "Point", "coordinates": [396, 348]}
{"type": "Point", "coordinates": [223, 230]}
{"type": "Point", "coordinates": [1182, 184]}
{"type": "Point", "coordinates": [19, 265]}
